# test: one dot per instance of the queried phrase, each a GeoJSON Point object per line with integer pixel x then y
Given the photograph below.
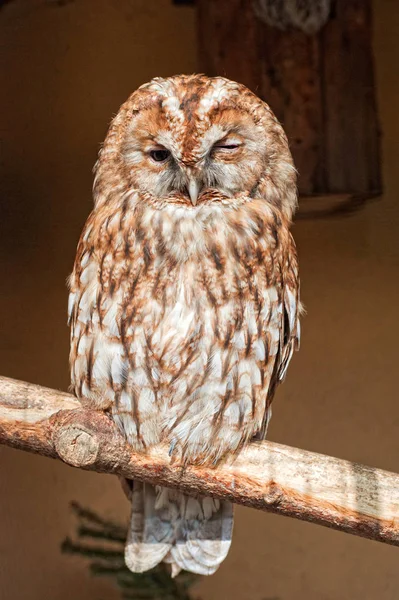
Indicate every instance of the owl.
{"type": "Point", "coordinates": [184, 297]}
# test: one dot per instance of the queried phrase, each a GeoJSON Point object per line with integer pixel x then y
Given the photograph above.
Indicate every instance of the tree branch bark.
{"type": "Point", "coordinates": [312, 487]}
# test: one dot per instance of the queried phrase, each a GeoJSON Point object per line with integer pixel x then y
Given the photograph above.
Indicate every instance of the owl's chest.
{"type": "Point", "coordinates": [172, 313]}
{"type": "Point", "coordinates": [191, 281]}
{"type": "Point", "coordinates": [176, 319]}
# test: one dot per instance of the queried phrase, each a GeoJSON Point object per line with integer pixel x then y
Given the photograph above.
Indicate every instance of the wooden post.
{"type": "Point", "coordinates": [321, 88]}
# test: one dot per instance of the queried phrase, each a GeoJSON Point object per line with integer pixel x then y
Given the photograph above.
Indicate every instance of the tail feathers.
{"type": "Point", "coordinates": [150, 536]}
{"type": "Point", "coordinates": [190, 533]}
{"type": "Point", "coordinates": [203, 535]}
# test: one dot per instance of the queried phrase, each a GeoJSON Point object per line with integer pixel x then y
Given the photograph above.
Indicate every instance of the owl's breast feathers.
{"type": "Point", "coordinates": [184, 320]}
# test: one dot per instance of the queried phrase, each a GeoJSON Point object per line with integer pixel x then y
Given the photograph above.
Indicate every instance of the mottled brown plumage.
{"type": "Point", "coordinates": [185, 294]}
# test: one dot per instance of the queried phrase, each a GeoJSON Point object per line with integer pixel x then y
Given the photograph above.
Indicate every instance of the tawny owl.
{"type": "Point", "coordinates": [184, 298]}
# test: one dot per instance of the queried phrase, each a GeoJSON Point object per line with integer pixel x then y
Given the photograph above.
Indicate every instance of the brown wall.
{"type": "Point", "coordinates": [65, 70]}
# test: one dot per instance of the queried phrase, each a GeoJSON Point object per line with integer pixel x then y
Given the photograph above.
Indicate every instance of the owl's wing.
{"type": "Point", "coordinates": [291, 328]}
{"type": "Point", "coordinates": [289, 311]}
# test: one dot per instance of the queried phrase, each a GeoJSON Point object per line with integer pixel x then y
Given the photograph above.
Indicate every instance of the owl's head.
{"type": "Point", "coordinates": [181, 139]}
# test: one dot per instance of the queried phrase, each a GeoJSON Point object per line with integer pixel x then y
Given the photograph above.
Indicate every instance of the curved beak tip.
{"type": "Point", "coordinates": [193, 191]}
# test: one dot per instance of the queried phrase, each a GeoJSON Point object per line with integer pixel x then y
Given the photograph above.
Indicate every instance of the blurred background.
{"type": "Point", "coordinates": [66, 66]}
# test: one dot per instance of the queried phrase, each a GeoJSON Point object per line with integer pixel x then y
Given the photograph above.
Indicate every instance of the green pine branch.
{"type": "Point", "coordinates": [102, 542]}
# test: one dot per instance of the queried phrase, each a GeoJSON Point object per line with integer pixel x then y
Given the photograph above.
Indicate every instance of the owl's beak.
{"type": "Point", "coordinates": [193, 190]}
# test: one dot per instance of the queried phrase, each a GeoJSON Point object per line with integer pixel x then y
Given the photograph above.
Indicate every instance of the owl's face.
{"type": "Point", "coordinates": [177, 147]}
{"type": "Point", "coordinates": [177, 139]}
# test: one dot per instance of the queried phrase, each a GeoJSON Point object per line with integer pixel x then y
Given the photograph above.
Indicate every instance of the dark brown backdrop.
{"type": "Point", "coordinates": [64, 72]}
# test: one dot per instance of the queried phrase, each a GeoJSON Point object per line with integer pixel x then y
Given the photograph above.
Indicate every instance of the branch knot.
{"type": "Point", "coordinates": [77, 446]}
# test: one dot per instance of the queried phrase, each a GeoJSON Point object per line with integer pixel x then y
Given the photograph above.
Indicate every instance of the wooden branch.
{"type": "Point", "coordinates": [321, 489]}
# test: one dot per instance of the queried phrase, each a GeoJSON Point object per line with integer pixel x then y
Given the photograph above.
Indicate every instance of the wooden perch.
{"type": "Point", "coordinates": [312, 487]}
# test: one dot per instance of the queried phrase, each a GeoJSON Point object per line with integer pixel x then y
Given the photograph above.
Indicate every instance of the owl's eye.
{"type": "Point", "coordinates": [226, 146]}
{"type": "Point", "coordinates": [160, 155]}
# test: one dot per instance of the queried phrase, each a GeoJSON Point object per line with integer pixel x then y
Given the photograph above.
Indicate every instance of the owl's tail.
{"type": "Point", "coordinates": [193, 534]}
